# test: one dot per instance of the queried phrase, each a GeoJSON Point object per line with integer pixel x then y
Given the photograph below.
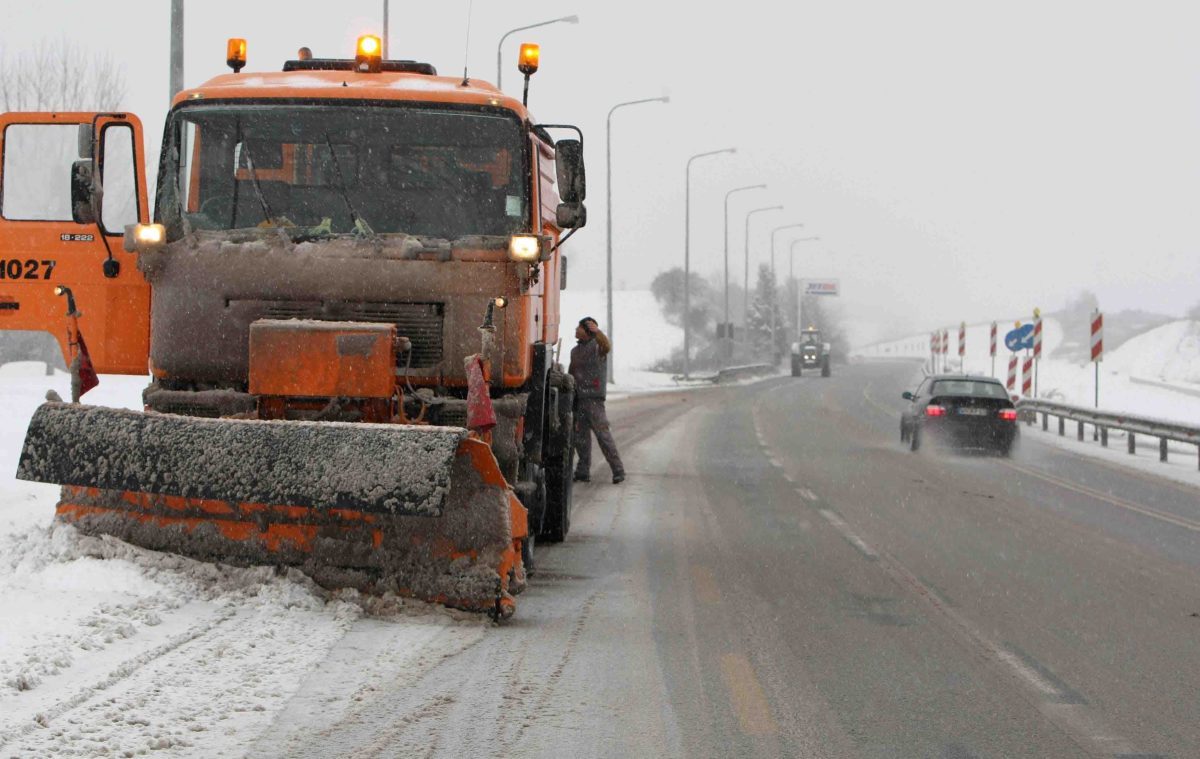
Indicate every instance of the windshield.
{"type": "Point", "coordinates": [346, 168]}
{"type": "Point", "coordinates": [969, 387]}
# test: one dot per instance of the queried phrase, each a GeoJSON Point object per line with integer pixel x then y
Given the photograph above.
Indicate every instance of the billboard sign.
{"type": "Point", "coordinates": [821, 287]}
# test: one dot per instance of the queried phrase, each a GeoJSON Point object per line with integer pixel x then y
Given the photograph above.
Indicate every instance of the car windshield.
{"type": "Point", "coordinates": [338, 169]}
{"type": "Point", "coordinates": [973, 388]}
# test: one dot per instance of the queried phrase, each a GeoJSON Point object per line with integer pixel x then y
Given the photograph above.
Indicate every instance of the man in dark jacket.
{"type": "Point", "coordinates": [589, 367]}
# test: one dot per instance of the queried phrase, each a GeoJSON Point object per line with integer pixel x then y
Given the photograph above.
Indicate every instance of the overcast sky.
{"type": "Point", "coordinates": [960, 160]}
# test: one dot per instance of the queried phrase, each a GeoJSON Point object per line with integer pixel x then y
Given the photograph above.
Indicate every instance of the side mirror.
{"type": "Point", "coordinates": [570, 215]}
{"type": "Point", "coordinates": [83, 199]}
{"type": "Point", "coordinates": [906, 395]}
{"type": "Point", "coordinates": [572, 184]}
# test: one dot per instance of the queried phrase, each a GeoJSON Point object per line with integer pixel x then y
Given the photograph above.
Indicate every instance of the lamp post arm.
{"type": "Point", "coordinates": [728, 195]}
{"type": "Point", "coordinates": [609, 216]}
{"type": "Point", "coordinates": [510, 32]}
{"type": "Point", "coordinates": [687, 256]}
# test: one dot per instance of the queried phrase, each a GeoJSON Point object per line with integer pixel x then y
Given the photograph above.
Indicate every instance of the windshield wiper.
{"type": "Point", "coordinates": [361, 227]}
{"type": "Point", "coordinates": [262, 200]}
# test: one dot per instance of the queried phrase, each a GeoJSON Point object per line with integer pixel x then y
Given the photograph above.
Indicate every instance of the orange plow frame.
{"type": "Point", "coordinates": [336, 547]}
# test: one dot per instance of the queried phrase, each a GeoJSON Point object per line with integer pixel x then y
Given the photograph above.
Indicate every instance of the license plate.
{"type": "Point", "coordinates": [973, 411]}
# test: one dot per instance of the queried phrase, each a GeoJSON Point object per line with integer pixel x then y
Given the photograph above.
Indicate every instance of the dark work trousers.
{"type": "Point", "coordinates": [590, 417]}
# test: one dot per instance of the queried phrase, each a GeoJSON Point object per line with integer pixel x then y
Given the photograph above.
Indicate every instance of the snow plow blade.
{"type": "Point", "coordinates": [416, 510]}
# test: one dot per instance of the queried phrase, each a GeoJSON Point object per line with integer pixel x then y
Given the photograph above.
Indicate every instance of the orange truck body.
{"type": "Point", "coordinates": [282, 324]}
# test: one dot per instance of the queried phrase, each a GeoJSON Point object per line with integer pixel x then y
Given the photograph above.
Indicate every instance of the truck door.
{"type": "Point", "coordinates": [46, 239]}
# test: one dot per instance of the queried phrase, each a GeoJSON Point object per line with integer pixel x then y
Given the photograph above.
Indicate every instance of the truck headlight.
{"type": "Point", "coordinates": [525, 248]}
{"type": "Point", "coordinates": [140, 237]}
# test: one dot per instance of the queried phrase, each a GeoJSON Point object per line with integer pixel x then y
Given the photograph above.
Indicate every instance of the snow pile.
{"type": "Point", "coordinates": [1170, 353]}
{"type": "Point", "coordinates": [641, 335]}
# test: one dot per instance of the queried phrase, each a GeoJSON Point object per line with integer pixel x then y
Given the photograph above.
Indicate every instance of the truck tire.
{"type": "Point", "coordinates": [914, 439]}
{"type": "Point", "coordinates": [825, 368]}
{"type": "Point", "coordinates": [560, 462]}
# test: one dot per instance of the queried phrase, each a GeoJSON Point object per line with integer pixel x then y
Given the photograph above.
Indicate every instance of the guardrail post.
{"type": "Point", "coordinates": [1045, 422]}
{"type": "Point", "coordinates": [1079, 434]}
{"type": "Point", "coordinates": [1062, 426]}
{"type": "Point", "coordinates": [1162, 449]}
{"type": "Point", "coordinates": [1132, 443]}
{"type": "Point", "coordinates": [1104, 437]}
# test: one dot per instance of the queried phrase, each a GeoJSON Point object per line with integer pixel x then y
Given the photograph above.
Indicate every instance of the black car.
{"type": "Point", "coordinates": [960, 411]}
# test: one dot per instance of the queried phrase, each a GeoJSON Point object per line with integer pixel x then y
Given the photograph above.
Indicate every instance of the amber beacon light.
{"type": "Point", "coordinates": [235, 53]}
{"type": "Point", "coordinates": [368, 54]}
{"type": "Point", "coordinates": [531, 54]}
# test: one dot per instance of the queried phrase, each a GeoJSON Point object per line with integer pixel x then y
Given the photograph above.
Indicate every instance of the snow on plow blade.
{"type": "Point", "coordinates": [417, 510]}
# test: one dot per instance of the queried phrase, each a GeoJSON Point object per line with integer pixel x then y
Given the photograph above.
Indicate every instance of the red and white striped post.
{"type": "Point", "coordinates": [992, 349]}
{"type": "Point", "coordinates": [962, 346]}
{"type": "Point", "coordinates": [1012, 374]}
{"type": "Point", "coordinates": [933, 352]}
{"type": "Point", "coordinates": [1097, 347]}
{"type": "Point", "coordinates": [945, 350]}
{"type": "Point", "coordinates": [1037, 347]}
{"type": "Point", "coordinates": [1027, 376]}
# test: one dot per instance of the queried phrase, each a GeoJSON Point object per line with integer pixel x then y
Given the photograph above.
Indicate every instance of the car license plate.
{"type": "Point", "coordinates": [973, 411]}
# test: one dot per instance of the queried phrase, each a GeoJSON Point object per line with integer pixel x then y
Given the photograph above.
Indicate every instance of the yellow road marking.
{"type": "Point", "coordinates": [704, 586]}
{"type": "Point", "coordinates": [747, 696]}
{"type": "Point", "coordinates": [1179, 521]}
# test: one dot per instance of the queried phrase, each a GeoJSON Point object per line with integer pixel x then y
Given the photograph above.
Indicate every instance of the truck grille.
{"type": "Point", "coordinates": [419, 322]}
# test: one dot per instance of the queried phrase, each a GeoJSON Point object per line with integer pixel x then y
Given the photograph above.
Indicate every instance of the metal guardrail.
{"type": "Point", "coordinates": [729, 374]}
{"type": "Point", "coordinates": [1103, 421]}
{"type": "Point", "coordinates": [734, 373]}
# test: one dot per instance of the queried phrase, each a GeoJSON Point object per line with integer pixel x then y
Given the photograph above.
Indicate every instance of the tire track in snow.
{"type": "Point", "coordinates": [120, 673]}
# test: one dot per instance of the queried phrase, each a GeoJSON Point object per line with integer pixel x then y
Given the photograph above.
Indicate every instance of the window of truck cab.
{"type": "Point", "coordinates": [435, 171]}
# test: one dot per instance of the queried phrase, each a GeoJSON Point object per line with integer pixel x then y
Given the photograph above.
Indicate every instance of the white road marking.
{"type": "Point", "coordinates": [848, 534]}
{"type": "Point", "coordinates": [1028, 673]}
{"type": "Point", "coordinates": [807, 494]}
{"type": "Point", "coordinates": [1076, 719]}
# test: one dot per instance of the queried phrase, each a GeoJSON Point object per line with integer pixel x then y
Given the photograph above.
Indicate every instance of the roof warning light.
{"type": "Point", "coordinates": [235, 53]}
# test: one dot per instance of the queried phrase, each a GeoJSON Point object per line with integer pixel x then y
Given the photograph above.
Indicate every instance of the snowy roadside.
{"type": "Point", "coordinates": [108, 649]}
{"type": "Point", "coordinates": [1180, 465]}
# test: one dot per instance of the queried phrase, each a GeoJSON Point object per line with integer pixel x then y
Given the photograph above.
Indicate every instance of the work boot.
{"type": "Point", "coordinates": [582, 477]}
{"type": "Point", "coordinates": [618, 478]}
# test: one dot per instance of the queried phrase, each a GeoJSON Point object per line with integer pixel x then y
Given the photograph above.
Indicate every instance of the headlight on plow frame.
{"type": "Point", "coordinates": [525, 248]}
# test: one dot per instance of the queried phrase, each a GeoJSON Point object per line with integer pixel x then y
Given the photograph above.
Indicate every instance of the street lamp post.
{"type": "Point", "coordinates": [608, 211]}
{"type": "Point", "coordinates": [792, 282]}
{"type": "Point", "coordinates": [687, 256]}
{"type": "Point", "coordinates": [386, 26]}
{"type": "Point", "coordinates": [775, 282]}
{"type": "Point", "coordinates": [729, 194]}
{"type": "Point", "coordinates": [500, 46]}
{"type": "Point", "coordinates": [746, 273]}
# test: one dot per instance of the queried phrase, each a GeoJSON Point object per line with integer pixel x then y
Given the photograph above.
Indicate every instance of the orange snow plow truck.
{"type": "Point", "coordinates": [348, 301]}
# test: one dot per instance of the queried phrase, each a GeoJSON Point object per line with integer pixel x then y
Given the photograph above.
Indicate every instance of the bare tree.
{"type": "Point", "coordinates": [57, 75]}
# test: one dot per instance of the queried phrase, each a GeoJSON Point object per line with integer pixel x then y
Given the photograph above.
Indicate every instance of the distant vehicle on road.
{"type": "Point", "coordinates": [810, 352]}
{"type": "Point", "coordinates": [960, 411]}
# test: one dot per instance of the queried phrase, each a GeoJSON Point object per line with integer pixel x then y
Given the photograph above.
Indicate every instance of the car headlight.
{"type": "Point", "coordinates": [525, 248]}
